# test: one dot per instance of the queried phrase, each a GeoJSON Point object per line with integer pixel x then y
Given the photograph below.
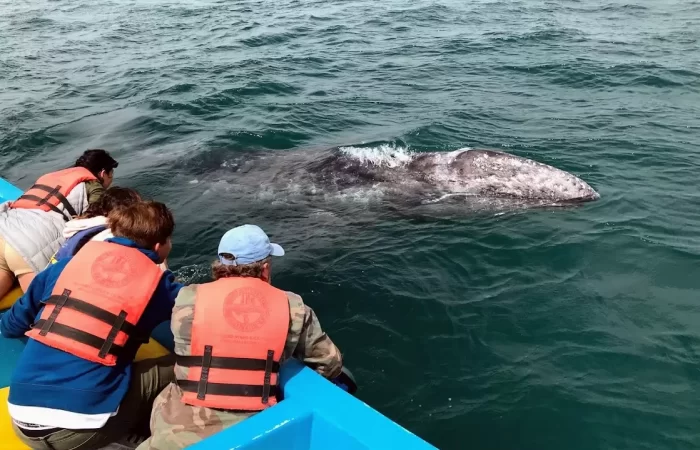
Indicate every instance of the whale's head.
{"type": "Point", "coordinates": [498, 174]}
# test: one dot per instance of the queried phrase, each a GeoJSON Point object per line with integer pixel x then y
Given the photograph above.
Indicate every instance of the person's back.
{"type": "Point", "coordinates": [246, 328]}
{"type": "Point", "coordinates": [31, 226]}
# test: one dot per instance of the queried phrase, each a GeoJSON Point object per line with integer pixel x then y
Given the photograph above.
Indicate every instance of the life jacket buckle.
{"type": "Point", "coordinates": [268, 376]}
{"type": "Point", "coordinates": [204, 375]}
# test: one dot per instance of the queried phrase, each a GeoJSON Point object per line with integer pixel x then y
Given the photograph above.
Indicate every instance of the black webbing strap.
{"type": "Point", "coordinates": [231, 390]}
{"type": "Point", "coordinates": [68, 213]}
{"type": "Point", "coordinates": [109, 341]}
{"type": "Point", "coordinates": [268, 374]}
{"type": "Point", "coordinates": [56, 192]}
{"type": "Point", "coordinates": [204, 375]}
{"type": "Point", "coordinates": [59, 303]}
{"type": "Point", "coordinates": [52, 191]}
{"type": "Point", "coordinates": [222, 362]}
{"type": "Point", "coordinates": [53, 208]}
{"type": "Point", "coordinates": [92, 311]}
{"type": "Point", "coordinates": [80, 336]}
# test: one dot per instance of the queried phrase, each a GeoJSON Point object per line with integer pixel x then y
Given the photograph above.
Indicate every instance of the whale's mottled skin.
{"type": "Point", "coordinates": [474, 179]}
{"type": "Point", "coordinates": [480, 173]}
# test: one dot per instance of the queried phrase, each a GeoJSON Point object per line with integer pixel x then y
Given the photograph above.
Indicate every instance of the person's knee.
{"type": "Point", "coordinates": [19, 267]}
{"type": "Point", "coordinates": [25, 280]}
{"type": "Point", "coordinates": [7, 277]}
{"type": "Point", "coordinates": [7, 281]}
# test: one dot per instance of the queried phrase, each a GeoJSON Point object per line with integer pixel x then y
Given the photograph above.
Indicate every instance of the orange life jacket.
{"type": "Point", "coordinates": [239, 331]}
{"type": "Point", "coordinates": [50, 191]}
{"type": "Point", "coordinates": [97, 301]}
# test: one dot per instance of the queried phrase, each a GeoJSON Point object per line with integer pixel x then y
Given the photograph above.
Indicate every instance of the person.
{"type": "Point", "coordinates": [75, 386]}
{"type": "Point", "coordinates": [241, 328]}
{"type": "Point", "coordinates": [93, 224]}
{"type": "Point", "coordinates": [30, 227]}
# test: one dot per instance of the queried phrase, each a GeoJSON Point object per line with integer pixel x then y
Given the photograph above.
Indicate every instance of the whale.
{"type": "Point", "coordinates": [471, 178]}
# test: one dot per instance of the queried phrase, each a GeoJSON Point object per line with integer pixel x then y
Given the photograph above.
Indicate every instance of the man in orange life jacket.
{"type": "Point", "coordinates": [31, 226]}
{"type": "Point", "coordinates": [75, 386]}
{"type": "Point", "coordinates": [230, 337]}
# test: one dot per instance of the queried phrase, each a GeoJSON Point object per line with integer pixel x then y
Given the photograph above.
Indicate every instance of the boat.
{"type": "Point", "coordinates": [313, 413]}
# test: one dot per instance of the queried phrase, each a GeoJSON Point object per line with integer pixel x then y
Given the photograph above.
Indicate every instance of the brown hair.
{"type": "Point", "coordinates": [253, 270]}
{"type": "Point", "coordinates": [113, 198]}
{"type": "Point", "coordinates": [145, 223]}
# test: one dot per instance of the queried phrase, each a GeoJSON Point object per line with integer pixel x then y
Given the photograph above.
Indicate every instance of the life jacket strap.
{"type": "Point", "coordinates": [51, 206]}
{"type": "Point", "coordinates": [51, 193]}
{"type": "Point", "coordinates": [268, 375]}
{"type": "Point", "coordinates": [90, 310]}
{"type": "Point", "coordinates": [56, 192]}
{"type": "Point", "coordinates": [222, 362]}
{"type": "Point", "coordinates": [59, 303]}
{"type": "Point", "coordinates": [109, 341]}
{"type": "Point", "coordinates": [204, 375]}
{"type": "Point", "coordinates": [106, 345]}
{"type": "Point", "coordinates": [80, 336]}
{"type": "Point", "coordinates": [206, 362]}
{"type": "Point", "coordinates": [232, 390]}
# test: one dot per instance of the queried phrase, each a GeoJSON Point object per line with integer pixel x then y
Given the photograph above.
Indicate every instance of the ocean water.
{"type": "Point", "coordinates": [545, 328]}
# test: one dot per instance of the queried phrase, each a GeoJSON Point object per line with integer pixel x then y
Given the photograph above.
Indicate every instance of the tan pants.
{"type": "Point", "coordinates": [148, 378]}
{"type": "Point", "coordinates": [11, 261]}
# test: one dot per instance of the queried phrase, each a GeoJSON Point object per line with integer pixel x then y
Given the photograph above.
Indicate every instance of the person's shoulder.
{"type": "Point", "coordinates": [295, 300]}
{"type": "Point", "coordinates": [186, 296]}
{"type": "Point", "coordinates": [93, 184]}
{"type": "Point", "coordinates": [297, 312]}
{"type": "Point", "coordinates": [183, 311]}
{"type": "Point", "coordinates": [94, 190]}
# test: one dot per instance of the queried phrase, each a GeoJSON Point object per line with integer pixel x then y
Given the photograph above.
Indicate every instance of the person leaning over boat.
{"type": "Point", "coordinates": [243, 328]}
{"type": "Point", "coordinates": [93, 224]}
{"type": "Point", "coordinates": [30, 227]}
{"type": "Point", "coordinates": [75, 386]}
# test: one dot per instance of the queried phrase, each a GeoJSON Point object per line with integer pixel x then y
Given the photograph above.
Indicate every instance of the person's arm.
{"type": "Point", "coordinates": [165, 295]}
{"type": "Point", "coordinates": [20, 317]}
{"type": "Point", "coordinates": [182, 317]}
{"type": "Point", "coordinates": [316, 349]}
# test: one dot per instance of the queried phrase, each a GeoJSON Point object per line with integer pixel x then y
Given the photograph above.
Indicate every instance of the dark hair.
{"type": "Point", "coordinates": [113, 198]}
{"type": "Point", "coordinates": [96, 160]}
{"type": "Point", "coordinates": [145, 223]}
{"type": "Point", "coordinates": [253, 270]}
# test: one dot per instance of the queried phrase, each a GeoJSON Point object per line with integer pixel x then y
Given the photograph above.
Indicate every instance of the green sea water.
{"type": "Point", "coordinates": [542, 329]}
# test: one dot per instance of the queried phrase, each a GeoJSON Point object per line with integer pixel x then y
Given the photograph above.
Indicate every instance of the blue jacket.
{"type": "Point", "coordinates": [76, 242]}
{"type": "Point", "coordinates": [50, 378]}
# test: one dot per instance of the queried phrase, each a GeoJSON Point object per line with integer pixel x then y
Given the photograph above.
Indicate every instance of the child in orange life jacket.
{"type": "Point", "coordinates": [75, 386]}
{"type": "Point", "coordinates": [242, 329]}
{"type": "Point", "coordinates": [30, 227]}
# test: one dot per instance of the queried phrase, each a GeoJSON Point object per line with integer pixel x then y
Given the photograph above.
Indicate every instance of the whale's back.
{"type": "Point", "coordinates": [492, 173]}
